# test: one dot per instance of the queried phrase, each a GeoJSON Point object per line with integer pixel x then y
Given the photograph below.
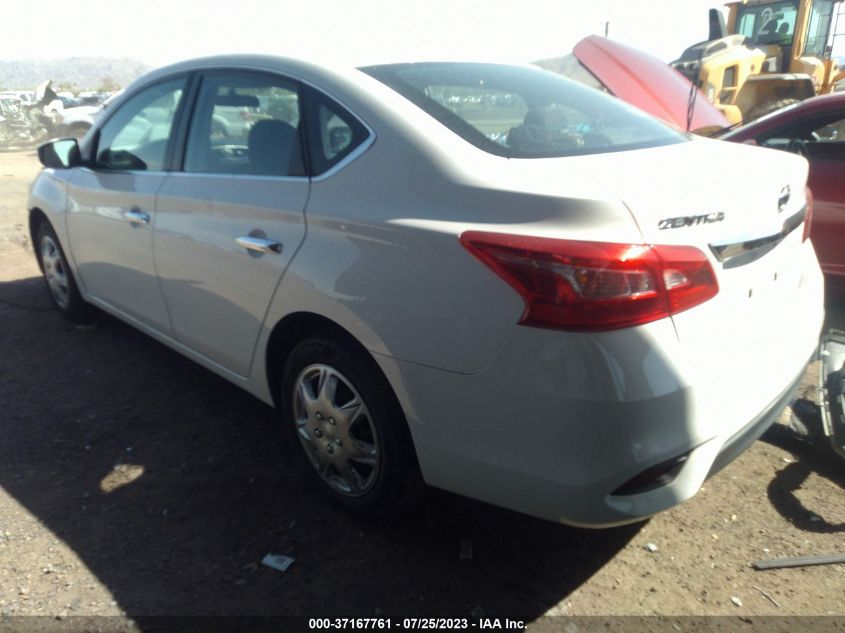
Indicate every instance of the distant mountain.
{"type": "Point", "coordinates": [80, 73]}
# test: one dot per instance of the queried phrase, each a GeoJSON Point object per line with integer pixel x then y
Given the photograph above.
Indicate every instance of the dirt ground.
{"type": "Point", "coordinates": [133, 482]}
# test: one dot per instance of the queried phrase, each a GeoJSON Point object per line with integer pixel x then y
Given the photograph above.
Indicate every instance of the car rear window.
{"type": "Point", "coordinates": [523, 112]}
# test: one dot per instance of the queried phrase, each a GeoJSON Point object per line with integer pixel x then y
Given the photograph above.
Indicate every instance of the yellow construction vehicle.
{"type": "Point", "coordinates": [769, 54]}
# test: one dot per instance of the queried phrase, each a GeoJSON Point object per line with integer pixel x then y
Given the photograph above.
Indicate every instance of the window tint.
{"type": "Point", "coordinates": [246, 123]}
{"type": "Point", "coordinates": [522, 112]}
{"type": "Point", "coordinates": [333, 132]}
{"type": "Point", "coordinates": [135, 138]}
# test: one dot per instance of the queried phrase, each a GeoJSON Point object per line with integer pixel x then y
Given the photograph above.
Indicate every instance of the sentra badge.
{"type": "Point", "coordinates": [690, 220]}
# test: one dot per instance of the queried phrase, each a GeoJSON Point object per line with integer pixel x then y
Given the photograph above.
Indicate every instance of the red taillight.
{"type": "Point", "coordinates": [590, 286]}
{"type": "Point", "coordinates": [808, 216]}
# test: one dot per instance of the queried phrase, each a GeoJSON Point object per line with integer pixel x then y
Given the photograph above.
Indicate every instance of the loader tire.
{"type": "Point", "coordinates": [768, 107]}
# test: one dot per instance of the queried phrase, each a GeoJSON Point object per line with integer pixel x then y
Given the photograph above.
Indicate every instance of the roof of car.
{"type": "Point", "coordinates": [813, 105]}
{"type": "Point", "coordinates": [242, 61]}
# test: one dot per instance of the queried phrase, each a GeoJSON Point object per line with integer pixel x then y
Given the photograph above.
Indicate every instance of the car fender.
{"type": "Point", "coordinates": [48, 194]}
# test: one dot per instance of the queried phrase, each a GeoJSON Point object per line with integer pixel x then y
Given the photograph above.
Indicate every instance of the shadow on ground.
{"type": "Point", "coordinates": [809, 446]}
{"type": "Point", "coordinates": [813, 456]}
{"type": "Point", "coordinates": [219, 490]}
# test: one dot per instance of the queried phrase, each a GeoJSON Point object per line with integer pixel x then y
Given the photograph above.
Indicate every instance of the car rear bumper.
{"type": "Point", "coordinates": [559, 422]}
{"type": "Point", "coordinates": [752, 431]}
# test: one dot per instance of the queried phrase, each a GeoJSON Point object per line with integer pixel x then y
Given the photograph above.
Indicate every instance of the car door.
{"type": "Point", "coordinates": [111, 204]}
{"type": "Point", "coordinates": [230, 220]}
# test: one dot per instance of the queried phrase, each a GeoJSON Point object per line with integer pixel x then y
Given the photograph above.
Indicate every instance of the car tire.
{"type": "Point", "coordinates": [58, 276]}
{"type": "Point", "coordinates": [348, 426]}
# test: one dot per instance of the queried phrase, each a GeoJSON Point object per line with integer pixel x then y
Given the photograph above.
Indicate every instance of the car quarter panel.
{"type": "Point", "coordinates": [383, 260]}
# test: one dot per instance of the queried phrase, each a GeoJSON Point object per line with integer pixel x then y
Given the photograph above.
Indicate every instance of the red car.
{"type": "Point", "coordinates": [814, 128]}
{"type": "Point", "coordinates": [640, 79]}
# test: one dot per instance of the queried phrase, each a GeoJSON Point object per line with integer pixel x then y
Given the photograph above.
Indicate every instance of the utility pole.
{"type": "Point", "coordinates": [606, 27]}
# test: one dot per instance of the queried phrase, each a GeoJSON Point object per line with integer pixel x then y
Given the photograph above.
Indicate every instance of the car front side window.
{"type": "Point", "coordinates": [816, 137]}
{"type": "Point", "coordinates": [136, 136]}
{"type": "Point", "coordinates": [833, 132]}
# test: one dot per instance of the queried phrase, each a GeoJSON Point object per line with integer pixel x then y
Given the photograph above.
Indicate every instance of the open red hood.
{"type": "Point", "coordinates": [646, 82]}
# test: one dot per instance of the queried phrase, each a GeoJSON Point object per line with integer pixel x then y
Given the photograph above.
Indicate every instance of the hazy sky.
{"type": "Point", "coordinates": [358, 31]}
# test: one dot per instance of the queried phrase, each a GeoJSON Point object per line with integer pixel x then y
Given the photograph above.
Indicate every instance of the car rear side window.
{"type": "Point", "coordinates": [524, 112]}
{"type": "Point", "coordinates": [136, 136]}
{"type": "Point", "coordinates": [246, 123]}
{"type": "Point", "coordinates": [333, 132]}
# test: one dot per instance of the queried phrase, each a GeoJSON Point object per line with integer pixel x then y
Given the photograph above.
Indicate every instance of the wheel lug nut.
{"type": "Point", "coordinates": [319, 416]}
{"type": "Point", "coordinates": [318, 433]}
{"type": "Point", "coordinates": [338, 442]}
{"type": "Point", "coordinates": [331, 421]}
{"type": "Point", "coordinates": [329, 448]}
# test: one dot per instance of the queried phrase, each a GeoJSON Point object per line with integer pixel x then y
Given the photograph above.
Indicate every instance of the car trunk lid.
{"type": "Point", "coordinates": [740, 205]}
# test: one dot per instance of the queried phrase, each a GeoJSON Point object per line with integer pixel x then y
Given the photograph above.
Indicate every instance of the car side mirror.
{"type": "Point", "coordinates": [60, 154]}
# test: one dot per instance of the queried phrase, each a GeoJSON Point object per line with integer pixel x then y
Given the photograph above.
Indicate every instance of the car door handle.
{"type": "Point", "coordinates": [136, 216]}
{"type": "Point", "coordinates": [259, 245]}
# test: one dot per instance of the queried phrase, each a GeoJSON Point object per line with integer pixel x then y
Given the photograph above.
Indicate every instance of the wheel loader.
{"type": "Point", "coordinates": [770, 53]}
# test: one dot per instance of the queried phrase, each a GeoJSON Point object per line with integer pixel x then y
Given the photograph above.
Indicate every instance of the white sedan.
{"type": "Point", "coordinates": [481, 277]}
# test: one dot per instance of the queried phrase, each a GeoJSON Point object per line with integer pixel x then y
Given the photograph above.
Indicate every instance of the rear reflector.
{"type": "Point", "coordinates": [808, 216]}
{"type": "Point", "coordinates": [655, 477]}
{"type": "Point", "coordinates": [594, 286]}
